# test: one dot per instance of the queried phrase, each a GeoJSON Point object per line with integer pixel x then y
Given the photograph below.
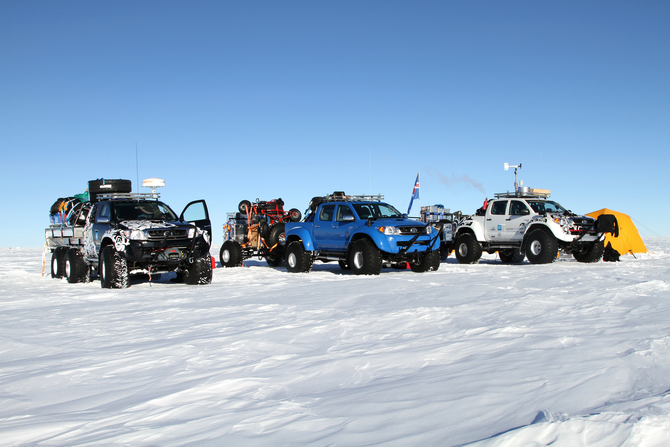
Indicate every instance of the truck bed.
{"type": "Point", "coordinates": [57, 236]}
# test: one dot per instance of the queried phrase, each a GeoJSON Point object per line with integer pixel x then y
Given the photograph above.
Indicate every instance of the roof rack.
{"type": "Point", "coordinates": [530, 193]}
{"type": "Point", "coordinates": [340, 196]}
{"type": "Point", "coordinates": [128, 196]}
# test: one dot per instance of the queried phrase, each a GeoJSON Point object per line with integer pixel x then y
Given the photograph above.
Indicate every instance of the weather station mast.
{"type": "Point", "coordinates": [516, 182]}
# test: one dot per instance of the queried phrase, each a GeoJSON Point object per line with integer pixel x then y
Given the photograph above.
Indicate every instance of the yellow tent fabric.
{"type": "Point", "coordinates": [629, 240]}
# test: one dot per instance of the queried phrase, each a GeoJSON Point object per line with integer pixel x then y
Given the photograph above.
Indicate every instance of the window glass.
{"type": "Point", "coordinates": [326, 213]}
{"type": "Point", "coordinates": [103, 211]}
{"type": "Point", "coordinates": [343, 210]}
{"type": "Point", "coordinates": [195, 212]}
{"type": "Point", "coordinates": [376, 211]}
{"type": "Point", "coordinates": [546, 206]}
{"type": "Point", "coordinates": [517, 207]}
{"type": "Point", "coordinates": [499, 207]}
{"type": "Point", "coordinates": [143, 211]}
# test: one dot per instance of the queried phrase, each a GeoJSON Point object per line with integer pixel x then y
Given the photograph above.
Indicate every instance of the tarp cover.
{"type": "Point", "coordinates": [629, 240]}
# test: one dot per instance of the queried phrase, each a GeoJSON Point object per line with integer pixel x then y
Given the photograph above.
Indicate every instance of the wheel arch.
{"type": "Point", "coordinates": [292, 238]}
{"type": "Point", "coordinates": [357, 237]}
{"type": "Point", "coordinates": [533, 227]}
{"type": "Point", "coordinates": [467, 230]}
{"type": "Point", "coordinates": [104, 243]}
{"type": "Point", "coordinates": [302, 235]}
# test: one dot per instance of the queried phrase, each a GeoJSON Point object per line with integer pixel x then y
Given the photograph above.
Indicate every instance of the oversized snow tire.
{"type": "Point", "coordinates": [297, 259]}
{"type": "Point", "coordinates": [591, 253]}
{"type": "Point", "coordinates": [294, 215]}
{"type": "Point", "coordinates": [230, 254]}
{"type": "Point", "coordinates": [76, 269]}
{"type": "Point", "coordinates": [275, 257]}
{"type": "Point", "coordinates": [58, 262]}
{"type": "Point", "coordinates": [511, 255]}
{"type": "Point", "coordinates": [315, 202]}
{"type": "Point", "coordinates": [365, 258]}
{"type": "Point", "coordinates": [444, 253]}
{"type": "Point", "coordinates": [437, 260]}
{"type": "Point", "coordinates": [276, 236]}
{"type": "Point", "coordinates": [113, 269]}
{"type": "Point", "coordinates": [468, 250]}
{"type": "Point", "coordinates": [429, 262]}
{"type": "Point", "coordinates": [541, 247]}
{"type": "Point", "coordinates": [200, 272]}
{"type": "Point", "coordinates": [244, 207]}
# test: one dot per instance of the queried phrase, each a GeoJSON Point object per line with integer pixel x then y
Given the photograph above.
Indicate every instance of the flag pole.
{"type": "Point", "coordinates": [416, 193]}
{"type": "Point", "coordinates": [419, 175]}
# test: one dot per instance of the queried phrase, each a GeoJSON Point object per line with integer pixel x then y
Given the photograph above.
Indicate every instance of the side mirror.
{"type": "Point", "coordinates": [103, 220]}
{"type": "Point", "coordinates": [348, 218]}
{"type": "Point", "coordinates": [524, 212]}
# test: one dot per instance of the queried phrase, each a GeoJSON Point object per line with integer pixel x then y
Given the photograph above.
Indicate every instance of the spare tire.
{"type": "Point", "coordinates": [244, 207]}
{"type": "Point", "coordinates": [106, 186]}
{"type": "Point", "coordinates": [315, 202]}
{"type": "Point", "coordinates": [276, 235]}
{"type": "Point", "coordinates": [294, 215]}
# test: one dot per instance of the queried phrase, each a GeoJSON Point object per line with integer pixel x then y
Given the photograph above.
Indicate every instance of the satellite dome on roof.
{"type": "Point", "coordinates": [153, 182]}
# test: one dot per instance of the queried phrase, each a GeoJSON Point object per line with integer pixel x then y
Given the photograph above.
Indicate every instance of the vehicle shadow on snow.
{"type": "Point", "coordinates": [497, 261]}
{"type": "Point", "coordinates": [320, 266]}
{"type": "Point", "coordinates": [158, 278]}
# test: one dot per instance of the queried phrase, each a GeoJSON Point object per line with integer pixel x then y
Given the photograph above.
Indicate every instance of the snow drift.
{"type": "Point", "coordinates": [566, 354]}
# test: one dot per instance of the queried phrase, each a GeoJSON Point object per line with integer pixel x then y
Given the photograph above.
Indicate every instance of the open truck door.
{"type": "Point", "coordinates": [196, 213]}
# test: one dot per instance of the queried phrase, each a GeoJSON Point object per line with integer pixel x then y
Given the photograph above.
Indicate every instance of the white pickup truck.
{"type": "Point", "coordinates": [526, 224]}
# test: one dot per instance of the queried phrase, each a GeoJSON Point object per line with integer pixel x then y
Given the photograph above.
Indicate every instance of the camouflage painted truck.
{"type": "Point", "coordinates": [117, 234]}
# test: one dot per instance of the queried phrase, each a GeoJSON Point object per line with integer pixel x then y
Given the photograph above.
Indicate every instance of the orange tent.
{"type": "Point", "coordinates": [629, 240]}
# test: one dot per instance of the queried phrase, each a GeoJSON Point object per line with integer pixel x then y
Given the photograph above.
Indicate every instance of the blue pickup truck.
{"type": "Point", "coordinates": [362, 233]}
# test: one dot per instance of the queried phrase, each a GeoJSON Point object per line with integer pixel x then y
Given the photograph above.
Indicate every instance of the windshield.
{"type": "Point", "coordinates": [376, 211]}
{"type": "Point", "coordinates": [546, 206]}
{"type": "Point", "coordinates": [143, 211]}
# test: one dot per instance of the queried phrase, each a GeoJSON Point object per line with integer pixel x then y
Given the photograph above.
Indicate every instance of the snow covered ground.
{"type": "Point", "coordinates": [484, 355]}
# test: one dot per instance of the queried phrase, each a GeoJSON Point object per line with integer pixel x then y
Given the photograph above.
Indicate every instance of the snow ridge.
{"type": "Point", "coordinates": [566, 354]}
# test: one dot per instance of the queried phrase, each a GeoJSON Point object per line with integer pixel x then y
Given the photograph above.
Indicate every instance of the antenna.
{"type": "Point", "coordinates": [137, 169]}
{"type": "Point", "coordinates": [516, 183]}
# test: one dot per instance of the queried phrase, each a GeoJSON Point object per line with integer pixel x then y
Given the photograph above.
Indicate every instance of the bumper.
{"type": "Point", "coordinates": [403, 244]}
{"type": "Point", "coordinates": [155, 253]}
{"type": "Point", "coordinates": [585, 238]}
{"type": "Point", "coordinates": [409, 244]}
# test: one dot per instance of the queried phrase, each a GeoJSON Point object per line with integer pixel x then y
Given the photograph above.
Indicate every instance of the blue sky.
{"type": "Point", "coordinates": [265, 99]}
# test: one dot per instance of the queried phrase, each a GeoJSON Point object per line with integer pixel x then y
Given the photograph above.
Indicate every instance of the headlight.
{"type": "Point", "coordinates": [136, 235]}
{"type": "Point", "coordinates": [191, 233]}
{"type": "Point", "coordinates": [389, 231]}
{"type": "Point", "coordinates": [563, 222]}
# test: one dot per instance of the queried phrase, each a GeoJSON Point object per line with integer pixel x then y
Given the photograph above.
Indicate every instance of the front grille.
{"type": "Point", "coordinates": [411, 231]}
{"type": "Point", "coordinates": [171, 234]}
{"type": "Point", "coordinates": [583, 222]}
{"type": "Point", "coordinates": [409, 243]}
